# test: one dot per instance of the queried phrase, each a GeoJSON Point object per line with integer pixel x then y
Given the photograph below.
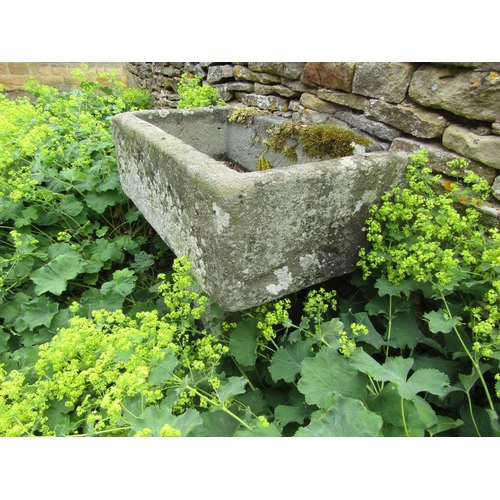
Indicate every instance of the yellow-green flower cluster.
{"type": "Point", "coordinates": [317, 304]}
{"type": "Point", "coordinates": [271, 315]}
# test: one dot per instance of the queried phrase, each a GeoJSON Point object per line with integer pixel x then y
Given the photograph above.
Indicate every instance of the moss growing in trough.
{"type": "Point", "coordinates": [317, 141]}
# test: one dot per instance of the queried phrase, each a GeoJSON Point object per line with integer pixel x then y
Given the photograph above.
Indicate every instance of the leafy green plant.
{"type": "Point", "coordinates": [67, 230]}
{"type": "Point", "coordinates": [94, 342]}
{"type": "Point", "coordinates": [195, 95]}
{"type": "Point", "coordinates": [426, 243]}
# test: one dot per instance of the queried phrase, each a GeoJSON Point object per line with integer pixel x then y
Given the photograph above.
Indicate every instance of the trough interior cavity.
{"type": "Point", "coordinates": [212, 134]}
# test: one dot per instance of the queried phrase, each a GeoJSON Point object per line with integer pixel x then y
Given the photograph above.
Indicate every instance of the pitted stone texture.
{"type": "Point", "coordinates": [496, 188]}
{"type": "Point", "coordinates": [439, 156]}
{"type": "Point", "coordinates": [243, 73]}
{"type": "Point", "coordinates": [387, 81]}
{"type": "Point", "coordinates": [473, 94]}
{"type": "Point", "coordinates": [331, 75]}
{"type": "Point", "coordinates": [411, 119]}
{"type": "Point", "coordinates": [220, 73]}
{"type": "Point", "coordinates": [344, 99]}
{"type": "Point", "coordinates": [268, 102]}
{"type": "Point", "coordinates": [279, 89]}
{"type": "Point", "coordinates": [250, 237]}
{"type": "Point", "coordinates": [312, 102]}
{"type": "Point", "coordinates": [380, 130]}
{"type": "Point", "coordinates": [289, 70]}
{"type": "Point", "coordinates": [483, 148]}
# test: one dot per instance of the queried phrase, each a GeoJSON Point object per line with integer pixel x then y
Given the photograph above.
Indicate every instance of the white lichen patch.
{"type": "Point", "coordinates": [221, 218]}
{"type": "Point", "coordinates": [308, 260]}
{"type": "Point", "coordinates": [284, 281]}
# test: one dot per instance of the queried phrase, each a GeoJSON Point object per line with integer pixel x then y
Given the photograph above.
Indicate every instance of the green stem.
{"type": "Point", "coordinates": [389, 327]}
{"type": "Point", "coordinates": [403, 417]}
{"type": "Point", "coordinates": [243, 373]}
{"type": "Point", "coordinates": [472, 414]}
{"type": "Point", "coordinates": [475, 364]}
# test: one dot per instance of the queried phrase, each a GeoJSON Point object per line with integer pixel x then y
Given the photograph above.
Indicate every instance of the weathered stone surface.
{"type": "Point", "coordinates": [473, 94]}
{"type": "Point", "coordinates": [344, 99]}
{"type": "Point", "coordinates": [380, 130]}
{"type": "Point", "coordinates": [223, 92]}
{"type": "Point", "coordinates": [495, 128]}
{"type": "Point", "coordinates": [317, 117]}
{"type": "Point", "coordinates": [264, 67]}
{"type": "Point", "coordinates": [485, 66]}
{"type": "Point", "coordinates": [331, 75]}
{"type": "Point", "coordinates": [219, 73]}
{"type": "Point", "coordinates": [169, 70]}
{"type": "Point", "coordinates": [281, 90]}
{"type": "Point", "coordinates": [243, 73]}
{"type": "Point", "coordinates": [484, 149]}
{"type": "Point", "coordinates": [496, 188]}
{"type": "Point", "coordinates": [387, 81]}
{"type": "Point", "coordinates": [252, 237]}
{"type": "Point", "coordinates": [297, 86]}
{"type": "Point", "coordinates": [290, 70]}
{"type": "Point", "coordinates": [439, 156]}
{"type": "Point", "coordinates": [312, 102]}
{"type": "Point", "coordinates": [240, 86]}
{"type": "Point", "coordinates": [269, 102]}
{"type": "Point", "coordinates": [411, 119]}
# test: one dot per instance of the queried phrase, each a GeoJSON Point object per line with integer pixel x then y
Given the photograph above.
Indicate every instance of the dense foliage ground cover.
{"type": "Point", "coordinates": [103, 333]}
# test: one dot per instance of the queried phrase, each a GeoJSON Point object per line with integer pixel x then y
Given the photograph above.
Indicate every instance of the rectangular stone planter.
{"type": "Point", "coordinates": [250, 237]}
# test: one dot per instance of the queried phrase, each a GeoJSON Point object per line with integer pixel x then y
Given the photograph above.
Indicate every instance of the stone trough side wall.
{"type": "Point", "coordinates": [452, 109]}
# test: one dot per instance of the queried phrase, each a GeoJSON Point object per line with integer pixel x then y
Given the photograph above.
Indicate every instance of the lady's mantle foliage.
{"type": "Point", "coordinates": [94, 342]}
{"type": "Point", "coordinates": [67, 230]}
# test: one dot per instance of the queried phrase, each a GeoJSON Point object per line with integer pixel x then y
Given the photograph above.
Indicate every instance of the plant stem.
{"type": "Point", "coordinates": [403, 417]}
{"type": "Point", "coordinates": [475, 364]}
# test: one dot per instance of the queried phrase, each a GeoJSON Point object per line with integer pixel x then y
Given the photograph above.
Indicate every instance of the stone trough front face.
{"type": "Point", "coordinates": [255, 236]}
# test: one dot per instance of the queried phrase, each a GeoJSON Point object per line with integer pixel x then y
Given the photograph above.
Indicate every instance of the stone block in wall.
{"type": "Point", "coordinates": [310, 101]}
{"type": "Point", "coordinates": [464, 92]}
{"type": "Point", "coordinates": [377, 129]}
{"type": "Point", "coordinates": [485, 66]}
{"type": "Point", "coordinates": [220, 73]}
{"type": "Point", "coordinates": [223, 92]}
{"type": "Point", "coordinates": [297, 86]}
{"type": "Point", "coordinates": [281, 90]}
{"type": "Point", "coordinates": [240, 86]}
{"type": "Point", "coordinates": [268, 102]}
{"type": "Point", "coordinates": [409, 118]}
{"type": "Point", "coordinates": [482, 148]}
{"type": "Point", "coordinates": [168, 70]}
{"type": "Point", "coordinates": [495, 128]}
{"type": "Point", "coordinates": [331, 75]}
{"type": "Point", "coordinates": [344, 99]}
{"type": "Point", "coordinates": [387, 80]}
{"type": "Point", "coordinates": [244, 73]}
{"type": "Point", "coordinates": [317, 117]}
{"type": "Point", "coordinates": [496, 188]}
{"type": "Point", "coordinates": [439, 156]}
{"type": "Point", "coordinates": [19, 68]}
{"type": "Point", "coordinates": [290, 70]}
{"type": "Point", "coordinates": [264, 67]}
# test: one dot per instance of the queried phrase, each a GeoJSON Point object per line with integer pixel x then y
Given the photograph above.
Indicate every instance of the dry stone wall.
{"type": "Point", "coordinates": [13, 75]}
{"type": "Point", "coordinates": [452, 109]}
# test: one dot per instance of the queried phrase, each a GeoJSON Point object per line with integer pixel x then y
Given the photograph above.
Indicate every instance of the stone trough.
{"type": "Point", "coordinates": [255, 236]}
